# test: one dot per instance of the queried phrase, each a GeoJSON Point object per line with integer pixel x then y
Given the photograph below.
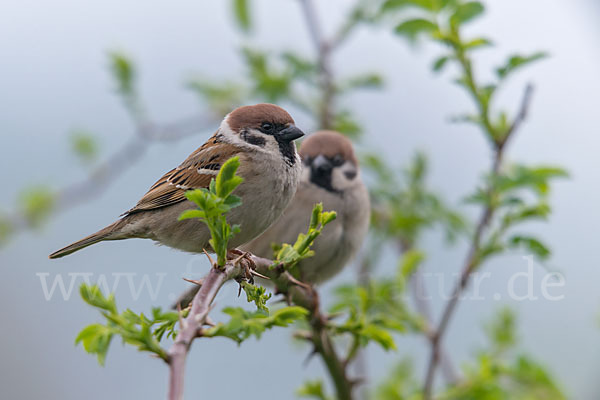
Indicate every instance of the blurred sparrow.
{"type": "Point", "coordinates": [262, 136]}
{"type": "Point", "coordinates": [330, 175]}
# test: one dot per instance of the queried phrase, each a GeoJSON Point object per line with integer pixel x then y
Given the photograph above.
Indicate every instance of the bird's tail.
{"type": "Point", "coordinates": [108, 233]}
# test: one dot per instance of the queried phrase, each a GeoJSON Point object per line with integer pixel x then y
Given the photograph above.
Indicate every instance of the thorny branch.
{"type": "Point", "coordinates": [296, 292]}
{"type": "Point", "coordinates": [472, 260]}
{"type": "Point", "coordinates": [190, 326]}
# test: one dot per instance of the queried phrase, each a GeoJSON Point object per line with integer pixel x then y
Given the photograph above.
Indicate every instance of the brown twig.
{"type": "Point", "coordinates": [422, 304]}
{"type": "Point", "coordinates": [336, 367]}
{"type": "Point", "coordinates": [472, 260]}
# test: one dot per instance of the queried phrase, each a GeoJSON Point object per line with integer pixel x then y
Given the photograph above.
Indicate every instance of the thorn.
{"type": "Point", "coordinates": [239, 258]}
{"type": "Point", "coordinates": [208, 321]}
{"type": "Point", "coordinates": [309, 357]}
{"type": "Point", "coordinates": [296, 281]}
{"type": "Point", "coordinates": [198, 282]}
{"type": "Point", "coordinates": [239, 289]}
{"type": "Point", "coordinates": [303, 335]}
{"type": "Point", "coordinates": [212, 262]}
{"type": "Point", "coordinates": [259, 275]}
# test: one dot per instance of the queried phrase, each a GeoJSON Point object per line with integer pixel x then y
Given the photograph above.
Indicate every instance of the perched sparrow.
{"type": "Point", "coordinates": [330, 175]}
{"type": "Point", "coordinates": [262, 136]}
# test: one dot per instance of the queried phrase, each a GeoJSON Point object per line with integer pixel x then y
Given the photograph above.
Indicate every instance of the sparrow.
{"type": "Point", "coordinates": [262, 136]}
{"type": "Point", "coordinates": [330, 175]}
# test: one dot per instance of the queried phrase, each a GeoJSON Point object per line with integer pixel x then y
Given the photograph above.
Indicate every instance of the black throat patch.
{"type": "Point", "coordinates": [323, 180]}
{"type": "Point", "coordinates": [287, 150]}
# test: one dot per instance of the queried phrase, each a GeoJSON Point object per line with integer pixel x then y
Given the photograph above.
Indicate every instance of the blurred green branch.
{"type": "Point", "coordinates": [441, 21]}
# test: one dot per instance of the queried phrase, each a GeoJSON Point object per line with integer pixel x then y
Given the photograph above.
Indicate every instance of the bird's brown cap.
{"type": "Point", "coordinates": [254, 116]}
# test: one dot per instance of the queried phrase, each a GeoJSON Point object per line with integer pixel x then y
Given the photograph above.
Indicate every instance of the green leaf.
{"type": "Point", "coordinates": [37, 204]}
{"type": "Point", "coordinates": [123, 72]}
{"type": "Point", "coordinates": [524, 212]}
{"type": "Point", "coordinates": [241, 11]}
{"type": "Point", "coordinates": [256, 294]}
{"type": "Point", "coordinates": [313, 389]}
{"type": "Point", "coordinates": [84, 145]}
{"type": "Point", "coordinates": [517, 61]}
{"type": "Point", "coordinates": [6, 229]}
{"type": "Point", "coordinates": [439, 63]}
{"type": "Point", "coordinates": [232, 201]}
{"type": "Point", "coordinates": [366, 81]}
{"type": "Point", "coordinates": [379, 335]}
{"type": "Point", "coordinates": [536, 179]}
{"type": "Point", "coordinates": [428, 5]}
{"type": "Point", "coordinates": [290, 255]}
{"type": "Point", "coordinates": [501, 330]}
{"type": "Point", "coordinates": [190, 214]}
{"type": "Point", "coordinates": [466, 12]}
{"type": "Point", "coordinates": [410, 262]}
{"type": "Point", "coordinates": [477, 43]}
{"type": "Point", "coordinates": [244, 324]}
{"type": "Point", "coordinates": [95, 339]}
{"type": "Point", "coordinates": [414, 27]}
{"type": "Point", "coordinates": [92, 295]}
{"type": "Point", "coordinates": [227, 181]}
{"type": "Point", "coordinates": [539, 249]}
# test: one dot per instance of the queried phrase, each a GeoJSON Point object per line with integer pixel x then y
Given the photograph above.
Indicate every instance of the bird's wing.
{"type": "Point", "coordinates": [194, 173]}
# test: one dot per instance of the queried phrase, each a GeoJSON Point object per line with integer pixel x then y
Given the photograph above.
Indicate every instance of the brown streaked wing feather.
{"type": "Point", "coordinates": [171, 188]}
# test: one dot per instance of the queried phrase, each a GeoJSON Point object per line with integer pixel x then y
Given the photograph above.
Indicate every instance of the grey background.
{"type": "Point", "coordinates": [53, 78]}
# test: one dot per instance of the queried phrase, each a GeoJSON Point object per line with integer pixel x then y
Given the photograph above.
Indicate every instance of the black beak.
{"type": "Point", "coordinates": [290, 133]}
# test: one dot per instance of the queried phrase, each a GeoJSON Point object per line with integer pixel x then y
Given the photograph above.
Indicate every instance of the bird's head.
{"type": "Point", "coordinates": [329, 161]}
{"type": "Point", "coordinates": [263, 126]}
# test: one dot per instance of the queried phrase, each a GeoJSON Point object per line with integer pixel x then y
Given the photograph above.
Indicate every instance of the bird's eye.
{"type": "Point", "coordinates": [337, 160]}
{"type": "Point", "coordinates": [267, 127]}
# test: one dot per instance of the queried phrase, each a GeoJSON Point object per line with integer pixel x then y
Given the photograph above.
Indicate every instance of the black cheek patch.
{"type": "Point", "coordinates": [253, 139]}
{"type": "Point", "coordinates": [350, 174]}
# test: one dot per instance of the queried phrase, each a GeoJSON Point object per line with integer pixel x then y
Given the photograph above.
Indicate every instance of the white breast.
{"type": "Point", "coordinates": [269, 186]}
